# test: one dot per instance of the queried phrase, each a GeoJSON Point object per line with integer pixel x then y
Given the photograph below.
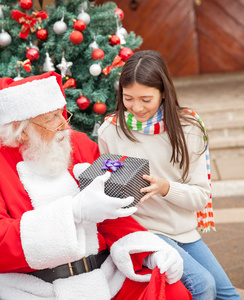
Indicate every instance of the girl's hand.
{"type": "Point", "coordinates": [158, 185]}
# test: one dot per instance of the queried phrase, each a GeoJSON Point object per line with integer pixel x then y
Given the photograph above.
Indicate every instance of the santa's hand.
{"type": "Point", "coordinates": [80, 168]}
{"type": "Point", "coordinates": [93, 205]}
{"type": "Point", "coordinates": [168, 261]}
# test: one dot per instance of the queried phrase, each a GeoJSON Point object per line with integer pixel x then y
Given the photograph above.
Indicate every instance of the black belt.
{"type": "Point", "coordinates": [86, 264]}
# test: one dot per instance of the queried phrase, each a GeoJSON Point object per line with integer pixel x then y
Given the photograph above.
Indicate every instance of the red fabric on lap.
{"type": "Point", "coordinates": [156, 289]}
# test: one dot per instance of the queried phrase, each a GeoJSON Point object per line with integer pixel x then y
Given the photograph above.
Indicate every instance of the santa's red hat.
{"type": "Point", "coordinates": [30, 97]}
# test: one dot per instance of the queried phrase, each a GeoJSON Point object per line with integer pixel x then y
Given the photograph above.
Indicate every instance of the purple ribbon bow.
{"type": "Point", "coordinates": [111, 165]}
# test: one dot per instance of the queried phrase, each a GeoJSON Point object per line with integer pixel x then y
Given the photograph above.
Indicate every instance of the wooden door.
{"type": "Point", "coordinates": [167, 26]}
{"type": "Point", "coordinates": [220, 29]}
{"type": "Point", "coordinates": [200, 36]}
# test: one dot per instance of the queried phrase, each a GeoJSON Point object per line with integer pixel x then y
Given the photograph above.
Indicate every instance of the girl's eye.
{"type": "Point", "coordinates": [146, 100]}
{"type": "Point", "coordinates": [127, 99]}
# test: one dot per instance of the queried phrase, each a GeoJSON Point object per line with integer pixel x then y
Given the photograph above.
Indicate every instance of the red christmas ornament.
{"type": "Point", "coordinates": [76, 37]}
{"type": "Point", "coordinates": [114, 40]}
{"type": "Point", "coordinates": [69, 83]}
{"type": "Point", "coordinates": [99, 108]}
{"type": "Point", "coordinates": [32, 54]}
{"type": "Point", "coordinates": [79, 25]}
{"type": "Point", "coordinates": [42, 35]}
{"type": "Point", "coordinates": [97, 54]}
{"type": "Point", "coordinates": [82, 103]}
{"type": "Point", "coordinates": [120, 13]}
{"type": "Point", "coordinates": [125, 53]}
{"type": "Point", "coordinates": [26, 4]}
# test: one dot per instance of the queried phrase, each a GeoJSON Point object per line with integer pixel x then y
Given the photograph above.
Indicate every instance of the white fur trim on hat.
{"type": "Point", "coordinates": [22, 102]}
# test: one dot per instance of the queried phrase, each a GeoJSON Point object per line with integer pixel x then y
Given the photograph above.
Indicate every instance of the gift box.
{"type": "Point", "coordinates": [126, 175]}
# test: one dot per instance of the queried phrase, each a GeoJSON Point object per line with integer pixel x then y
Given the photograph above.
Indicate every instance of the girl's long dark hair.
{"type": "Point", "coordinates": [150, 69]}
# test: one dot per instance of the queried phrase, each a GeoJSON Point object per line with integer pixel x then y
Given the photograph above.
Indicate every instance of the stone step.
{"type": "Point", "coordinates": [219, 101]}
{"type": "Point", "coordinates": [223, 120]}
{"type": "Point", "coordinates": [241, 292]}
{"type": "Point", "coordinates": [218, 106]}
{"type": "Point", "coordinates": [225, 128]}
{"type": "Point", "coordinates": [210, 93]}
{"type": "Point", "coordinates": [227, 163]}
{"type": "Point", "coordinates": [226, 138]}
{"type": "Point", "coordinates": [212, 79]}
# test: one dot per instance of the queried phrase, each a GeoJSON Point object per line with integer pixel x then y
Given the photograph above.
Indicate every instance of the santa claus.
{"type": "Point", "coordinates": [57, 242]}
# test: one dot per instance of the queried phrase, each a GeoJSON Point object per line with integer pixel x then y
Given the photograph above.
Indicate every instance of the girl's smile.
{"type": "Point", "coordinates": [142, 101]}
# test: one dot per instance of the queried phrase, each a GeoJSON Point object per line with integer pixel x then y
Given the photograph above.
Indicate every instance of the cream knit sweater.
{"type": "Point", "coordinates": [173, 215]}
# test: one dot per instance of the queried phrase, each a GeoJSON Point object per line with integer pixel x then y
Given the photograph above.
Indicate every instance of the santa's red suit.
{"type": "Point", "coordinates": [46, 237]}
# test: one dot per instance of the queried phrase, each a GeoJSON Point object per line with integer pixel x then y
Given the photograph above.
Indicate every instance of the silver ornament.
{"type": "Point", "coordinates": [64, 67]}
{"type": "Point", "coordinates": [95, 70]}
{"type": "Point", "coordinates": [18, 77]}
{"type": "Point", "coordinates": [84, 17]}
{"type": "Point", "coordinates": [123, 31]}
{"type": "Point", "coordinates": [34, 46]}
{"type": "Point", "coordinates": [5, 38]}
{"type": "Point", "coordinates": [121, 37]}
{"type": "Point", "coordinates": [59, 27]}
{"type": "Point", "coordinates": [1, 11]}
{"type": "Point", "coordinates": [116, 85]}
{"type": "Point", "coordinates": [48, 64]}
{"type": "Point", "coordinates": [94, 45]}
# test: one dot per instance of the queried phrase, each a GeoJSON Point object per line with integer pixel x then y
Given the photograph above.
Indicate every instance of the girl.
{"type": "Point", "coordinates": [149, 123]}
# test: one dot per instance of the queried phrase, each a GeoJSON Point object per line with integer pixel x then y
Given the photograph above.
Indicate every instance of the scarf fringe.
{"type": "Point", "coordinates": [205, 217]}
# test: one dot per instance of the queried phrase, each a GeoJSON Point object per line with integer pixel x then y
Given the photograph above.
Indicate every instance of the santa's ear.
{"type": "Point", "coordinates": [24, 137]}
{"type": "Point", "coordinates": [16, 125]}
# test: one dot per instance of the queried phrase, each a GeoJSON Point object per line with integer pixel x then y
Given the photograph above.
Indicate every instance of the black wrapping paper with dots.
{"type": "Point", "coordinates": [126, 175]}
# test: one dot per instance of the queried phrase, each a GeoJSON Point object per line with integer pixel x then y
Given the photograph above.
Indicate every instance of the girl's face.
{"type": "Point", "coordinates": [142, 101]}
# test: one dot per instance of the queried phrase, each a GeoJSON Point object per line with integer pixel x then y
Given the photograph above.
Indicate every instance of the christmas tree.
{"type": "Point", "coordinates": [84, 42]}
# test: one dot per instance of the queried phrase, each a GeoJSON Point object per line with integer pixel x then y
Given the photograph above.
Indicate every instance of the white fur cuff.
{"type": "Point", "coordinates": [137, 242]}
{"type": "Point", "coordinates": [49, 236]}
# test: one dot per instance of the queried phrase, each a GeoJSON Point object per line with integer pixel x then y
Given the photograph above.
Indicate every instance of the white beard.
{"type": "Point", "coordinates": [48, 158]}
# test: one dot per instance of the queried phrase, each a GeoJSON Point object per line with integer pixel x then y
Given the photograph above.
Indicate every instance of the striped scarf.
{"type": "Point", "coordinates": [155, 125]}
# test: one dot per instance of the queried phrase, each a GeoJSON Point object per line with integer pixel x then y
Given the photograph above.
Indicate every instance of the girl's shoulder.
{"type": "Point", "coordinates": [191, 121]}
{"type": "Point", "coordinates": [194, 131]}
{"type": "Point", "coordinates": [105, 126]}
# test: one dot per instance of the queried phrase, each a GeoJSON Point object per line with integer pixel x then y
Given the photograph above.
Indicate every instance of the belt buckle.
{"type": "Point", "coordinates": [85, 264]}
{"type": "Point", "coordinates": [71, 269]}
